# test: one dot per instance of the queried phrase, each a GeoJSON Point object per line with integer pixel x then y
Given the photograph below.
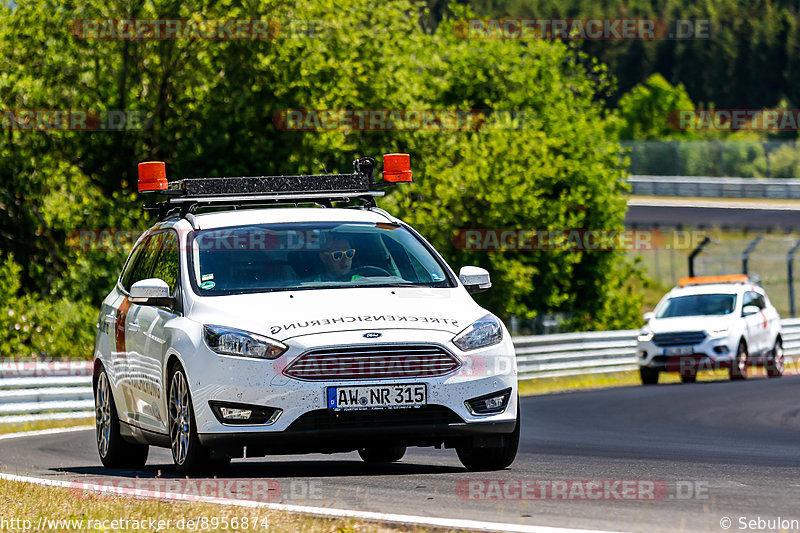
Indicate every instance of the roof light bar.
{"type": "Point", "coordinates": [324, 189]}
{"type": "Point", "coordinates": [705, 280]}
{"type": "Point", "coordinates": [271, 185]}
{"type": "Point", "coordinates": [396, 168]}
{"type": "Point", "coordinates": [152, 176]}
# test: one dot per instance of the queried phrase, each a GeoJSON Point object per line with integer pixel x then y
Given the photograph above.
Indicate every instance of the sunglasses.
{"type": "Point", "coordinates": [337, 255]}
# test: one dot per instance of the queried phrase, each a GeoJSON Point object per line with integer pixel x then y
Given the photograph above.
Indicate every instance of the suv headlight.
{"type": "Point", "coordinates": [717, 333]}
{"type": "Point", "coordinates": [645, 335]}
{"type": "Point", "coordinates": [483, 332]}
{"type": "Point", "coordinates": [230, 341]}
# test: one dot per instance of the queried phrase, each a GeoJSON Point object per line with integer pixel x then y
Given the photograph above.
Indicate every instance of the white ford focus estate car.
{"type": "Point", "coordinates": [243, 331]}
{"type": "Point", "coordinates": [708, 323]}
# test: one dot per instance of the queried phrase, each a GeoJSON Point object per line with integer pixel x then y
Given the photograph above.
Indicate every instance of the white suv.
{"type": "Point", "coordinates": [249, 332]}
{"type": "Point", "coordinates": [708, 323]}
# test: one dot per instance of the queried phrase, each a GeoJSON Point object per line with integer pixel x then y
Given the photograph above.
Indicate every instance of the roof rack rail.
{"type": "Point", "coordinates": [187, 195]}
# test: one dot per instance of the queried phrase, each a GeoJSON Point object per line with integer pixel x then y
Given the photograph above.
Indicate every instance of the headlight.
{"type": "Point", "coordinates": [718, 333]}
{"type": "Point", "coordinates": [230, 341]}
{"type": "Point", "coordinates": [483, 332]}
{"type": "Point", "coordinates": [645, 335]}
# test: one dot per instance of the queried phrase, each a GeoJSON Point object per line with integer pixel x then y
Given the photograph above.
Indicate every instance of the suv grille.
{"type": "Point", "coordinates": [373, 361]}
{"type": "Point", "coordinates": [679, 338]}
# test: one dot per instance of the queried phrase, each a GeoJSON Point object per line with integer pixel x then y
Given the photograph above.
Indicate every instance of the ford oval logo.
{"type": "Point", "coordinates": [372, 335]}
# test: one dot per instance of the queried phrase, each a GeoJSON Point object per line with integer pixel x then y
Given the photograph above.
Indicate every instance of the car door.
{"type": "Point", "coordinates": [127, 329]}
{"type": "Point", "coordinates": [773, 323]}
{"type": "Point", "coordinates": [756, 323]}
{"type": "Point", "coordinates": [112, 318]}
{"type": "Point", "coordinates": [149, 341]}
{"type": "Point", "coordinates": [768, 317]}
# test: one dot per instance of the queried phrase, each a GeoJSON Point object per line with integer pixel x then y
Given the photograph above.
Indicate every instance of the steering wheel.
{"type": "Point", "coordinates": [364, 271]}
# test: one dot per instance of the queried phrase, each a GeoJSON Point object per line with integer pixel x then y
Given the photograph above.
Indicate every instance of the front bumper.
{"type": "Point", "coordinates": [305, 424]}
{"type": "Point", "coordinates": [323, 431]}
{"type": "Point", "coordinates": [711, 354]}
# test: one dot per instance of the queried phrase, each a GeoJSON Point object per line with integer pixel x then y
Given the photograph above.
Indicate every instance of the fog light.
{"type": "Point", "coordinates": [721, 349]}
{"type": "Point", "coordinates": [643, 354]}
{"type": "Point", "coordinates": [488, 404]}
{"type": "Point", "coordinates": [235, 414]}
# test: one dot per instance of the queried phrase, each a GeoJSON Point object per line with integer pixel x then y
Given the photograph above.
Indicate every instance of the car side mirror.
{"type": "Point", "coordinates": [475, 279]}
{"type": "Point", "coordinates": [648, 316]}
{"type": "Point", "coordinates": [152, 291]}
{"type": "Point", "coordinates": [748, 310]}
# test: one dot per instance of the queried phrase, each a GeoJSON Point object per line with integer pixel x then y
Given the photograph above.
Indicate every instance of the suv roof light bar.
{"type": "Point", "coordinates": [187, 195]}
{"type": "Point", "coordinates": [705, 280]}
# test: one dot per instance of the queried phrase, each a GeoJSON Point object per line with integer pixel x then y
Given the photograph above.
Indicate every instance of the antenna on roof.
{"type": "Point", "coordinates": [320, 163]}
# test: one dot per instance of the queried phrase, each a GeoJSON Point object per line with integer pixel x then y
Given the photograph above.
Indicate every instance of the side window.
{"type": "Point", "coordinates": [753, 298]}
{"type": "Point", "coordinates": [127, 271]}
{"type": "Point", "coordinates": [167, 266]}
{"type": "Point", "coordinates": [146, 260]}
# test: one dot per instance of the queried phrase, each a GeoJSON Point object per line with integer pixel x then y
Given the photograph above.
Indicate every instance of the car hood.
{"type": "Point", "coordinates": [283, 315]}
{"type": "Point", "coordinates": [688, 323]}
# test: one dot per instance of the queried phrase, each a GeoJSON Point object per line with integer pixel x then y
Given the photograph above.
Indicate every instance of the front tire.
{"type": "Point", "coordinates": [648, 375]}
{"type": "Point", "coordinates": [382, 454]}
{"type": "Point", "coordinates": [738, 370]}
{"type": "Point", "coordinates": [491, 458]}
{"type": "Point", "coordinates": [187, 452]}
{"type": "Point", "coordinates": [775, 360]}
{"type": "Point", "coordinates": [114, 451]}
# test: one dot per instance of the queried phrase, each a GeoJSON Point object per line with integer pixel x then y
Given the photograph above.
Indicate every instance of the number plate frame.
{"type": "Point", "coordinates": [376, 397]}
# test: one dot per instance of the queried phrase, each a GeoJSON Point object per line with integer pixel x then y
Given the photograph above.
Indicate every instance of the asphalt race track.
{"type": "Point", "coordinates": [644, 212]}
{"type": "Point", "coordinates": [718, 449]}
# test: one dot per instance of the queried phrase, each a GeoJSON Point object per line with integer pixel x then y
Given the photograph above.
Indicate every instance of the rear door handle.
{"type": "Point", "coordinates": [134, 326]}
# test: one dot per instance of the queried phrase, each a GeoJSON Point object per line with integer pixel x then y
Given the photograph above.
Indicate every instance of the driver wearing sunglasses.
{"type": "Point", "coordinates": [337, 257]}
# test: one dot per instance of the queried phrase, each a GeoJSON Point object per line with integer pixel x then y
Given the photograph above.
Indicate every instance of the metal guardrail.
{"type": "Point", "coordinates": [711, 187]}
{"type": "Point", "coordinates": [50, 391]}
{"type": "Point", "coordinates": [599, 352]}
{"type": "Point", "coordinates": [31, 391]}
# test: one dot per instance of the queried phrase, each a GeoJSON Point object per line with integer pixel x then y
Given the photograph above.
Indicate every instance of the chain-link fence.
{"type": "Point", "coordinates": [761, 159]}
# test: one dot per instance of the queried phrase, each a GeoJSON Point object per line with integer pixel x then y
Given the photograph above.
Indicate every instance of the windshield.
{"type": "Point", "coordinates": [698, 305]}
{"type": "Point", "coordinates": [271, 257]}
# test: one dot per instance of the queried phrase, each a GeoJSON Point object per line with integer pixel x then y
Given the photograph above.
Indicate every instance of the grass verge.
{"type": "Point", "coordinates": [91, 511]}
{"type": "Point", "coordinates": [45, 424]}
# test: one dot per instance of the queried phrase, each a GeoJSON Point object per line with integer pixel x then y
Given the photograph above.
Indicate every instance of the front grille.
{"type": "Point", "coordinates": [373, 361]}
{"type": "Point", "coordinates": [679, 338]}
{"type": "Point", "coordinates": [382, 418]}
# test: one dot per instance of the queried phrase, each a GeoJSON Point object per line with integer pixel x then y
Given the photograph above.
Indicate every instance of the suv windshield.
{"type": "Point", "coordinates": [698, 305]}
{"type": "Point", "coordinates": [287, 256]}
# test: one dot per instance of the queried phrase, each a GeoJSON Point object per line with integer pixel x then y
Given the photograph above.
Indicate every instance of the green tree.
{"type": "Point", "coordinates": [209, 108]}
{"type": "Point", "coordinates": [650, 110]}
{"type": "Point", "coordinates": [555, 169]}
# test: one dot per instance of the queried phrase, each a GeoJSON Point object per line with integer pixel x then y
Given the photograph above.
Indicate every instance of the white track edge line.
{"type": "Point", "coordinates": [324, 512]}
